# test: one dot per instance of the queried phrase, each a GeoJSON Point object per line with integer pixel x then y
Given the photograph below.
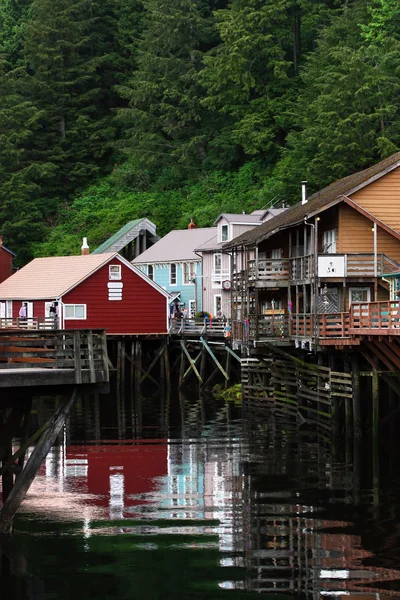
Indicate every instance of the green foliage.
{"type": "Point", "coordinates": [120, 109]}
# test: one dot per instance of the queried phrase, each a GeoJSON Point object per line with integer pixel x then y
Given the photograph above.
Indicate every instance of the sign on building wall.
{"type": "Point", "coordinates": [331, 266]}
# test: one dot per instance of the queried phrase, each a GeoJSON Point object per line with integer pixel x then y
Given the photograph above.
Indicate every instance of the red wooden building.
{"type": "Point", "coordinates": [6, 259]}
{"type": "Point", "coordinates": [93, 291]}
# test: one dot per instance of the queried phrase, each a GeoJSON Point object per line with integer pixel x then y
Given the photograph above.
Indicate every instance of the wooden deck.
{"type": "Point", "coordinates": [378, 319]}
{"type": "Point", "coordinates": [52, 357]}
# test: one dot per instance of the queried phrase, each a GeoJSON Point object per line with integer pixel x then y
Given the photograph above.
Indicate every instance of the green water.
{"type": "Point", "coordinates": [203, 507]}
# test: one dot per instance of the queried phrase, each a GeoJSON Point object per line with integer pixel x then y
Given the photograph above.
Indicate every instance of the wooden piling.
{"type": "Point", "coordinates": [356, 396]}
{"type": "Point", "coordinates": [138, 372]}
{"type": "Point", "coordinates": [375, 436]}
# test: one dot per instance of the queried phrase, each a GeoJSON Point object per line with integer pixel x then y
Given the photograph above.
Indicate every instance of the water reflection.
{"type": "Point", "coordinates": [212, 508]}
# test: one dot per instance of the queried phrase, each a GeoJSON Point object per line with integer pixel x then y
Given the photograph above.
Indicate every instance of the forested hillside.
{"type": "Point", "coordinates": [171, 109]}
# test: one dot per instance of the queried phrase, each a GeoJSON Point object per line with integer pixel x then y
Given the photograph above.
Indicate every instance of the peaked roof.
{"type": "Point", "coordinates": [178, 245]}
{"type": "Point", "coordinates": [318, 201]}
{"type": "Point", "coordinates": [241, 218]}
{"type": "Point", "coordinates": [125, 235]}
{"type": "Point", "coordinates": [51, 277]}
{"type": "Point", "coordinates": [8, 250]}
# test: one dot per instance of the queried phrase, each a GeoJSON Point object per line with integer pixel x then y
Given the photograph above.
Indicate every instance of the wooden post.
{"type": "Point", "coordinates": [168, 383]}
{"type": "Point", "coordinates": [182, 367]}
{"type": "Point", "coordinates": [77, 357]}
{"type": "Point", "coordinates": [7, 477]}
{"type": "Point", "coordinates": [138, 371]}
{"type": "Point", "coordinates": [348, 407]}
{"type": "Point", "coordinates": [228, 368]}
{"type": "Point", "coordinates": [356, 396]}
{"type": "Point", "coordinates": [375, 435]}
{"type": "Point", "coordinates": [28, 474]}
{"type": "Point", "coordinates": [91, 357]}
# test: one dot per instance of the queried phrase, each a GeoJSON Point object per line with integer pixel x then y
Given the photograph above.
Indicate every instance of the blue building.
{"type": "Point", "coordinates": [173, 263]}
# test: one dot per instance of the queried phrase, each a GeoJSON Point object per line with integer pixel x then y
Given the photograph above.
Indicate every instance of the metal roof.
{"type": "Point", "coordinates": [125, 235]}
{"type": "Point", "coordinates": [178, 245]}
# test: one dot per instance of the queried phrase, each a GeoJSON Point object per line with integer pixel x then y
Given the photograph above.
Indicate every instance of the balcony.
{"type": "Point", "coordinates": [375, 318]}
{"type": "Point", "coordinates": [280, 272]}
{"type": "Point", "coordinates": [272, 271]}
{"type": "Point", "coordinates": [355, 265]}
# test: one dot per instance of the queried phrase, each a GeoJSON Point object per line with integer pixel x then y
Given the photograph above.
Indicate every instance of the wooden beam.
{"type": "Point", "coordinates": [28, 474]}
{"type": "Point", "coordinates": [207, 347]}
{"type": "Point", "coordinates": [193, 365]}
{"type": "Point", "coordinates": [152, 364]}
{"type": "Point", "coordinates": [233, 353]}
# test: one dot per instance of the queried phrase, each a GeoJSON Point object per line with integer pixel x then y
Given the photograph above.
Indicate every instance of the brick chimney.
{"type": "Point", "coordinates": [84, 247]}
{"type": "Point", "coordinates": [192, 224]}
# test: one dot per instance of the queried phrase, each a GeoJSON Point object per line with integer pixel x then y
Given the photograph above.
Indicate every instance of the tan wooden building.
{"type": "Point", "coordinates": [314, 275]}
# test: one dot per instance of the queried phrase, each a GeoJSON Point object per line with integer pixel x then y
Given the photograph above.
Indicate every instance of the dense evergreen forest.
{"type": "Point", "coordinates": [112, 110]}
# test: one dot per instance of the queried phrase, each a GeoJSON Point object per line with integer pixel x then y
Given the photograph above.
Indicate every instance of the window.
{"type": "Point", "coordinates": [188, 273]}
{"type": "Point", "coordinates": [150, 272]}
{"type": "Point", "coordinates": [359, 295]}
{"type": "Point", "coordinates": [224, 233]}
{"type": "Point", "coordinates": [217, 274]}
{"type": "Point", "coordinates": [74, 311]}
{"type": "Point", "coordinates": [330, 241]}
{"type": "Point", "coordinates": [172, 280]}
{"type": "Point", "coordinates": [218, 306]}
{"type": "Point", "coordinates": [114, 272]}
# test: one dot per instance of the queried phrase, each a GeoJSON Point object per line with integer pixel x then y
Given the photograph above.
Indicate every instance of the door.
{"type": "Point", "coordinates": [218, 307]}
{"type": "Point", "coordinates": [329, 300]}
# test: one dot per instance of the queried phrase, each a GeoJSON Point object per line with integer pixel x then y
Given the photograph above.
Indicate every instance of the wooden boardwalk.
{"type": "Point", "coordinates": [30, 358]}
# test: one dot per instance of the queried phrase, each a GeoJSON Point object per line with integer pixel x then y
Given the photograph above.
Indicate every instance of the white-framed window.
{"type": "Point", "coordinates": [359, 294]}
{"type": "Point", "coordinates": [150, 272]}
{"type": "Point", "coordinates": [224, 233]}
{"type": "Point", "coordinates": [188, 273]}
{"type": "Point", "coordinates": [217, 275]}
{"type": "Point", "coordinates": [172, 275]}
{"type": "Point", "coordinates": [330, 241]}
{"type": "Point", "coordinates": [218, 306]}
{"type": "Point", "coordinates": [74, 311]}
{"type": "Point", "coordinates": [114, 272]}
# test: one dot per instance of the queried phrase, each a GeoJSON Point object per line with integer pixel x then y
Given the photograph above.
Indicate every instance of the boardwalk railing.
{"type": "Point", "coordinates": [333, 325]}
{"type": "Point", "coordinates": [28, 323]}
{"type": "Point", "coordinates": [211, 327]}
{"type": "Point", "coordinates": [83, 352]}
{"type": "Point", "coordinates": [375, 315]}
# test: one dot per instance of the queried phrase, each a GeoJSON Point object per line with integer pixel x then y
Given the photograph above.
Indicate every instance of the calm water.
{"type": "Point", "coordinates": [200, 506]}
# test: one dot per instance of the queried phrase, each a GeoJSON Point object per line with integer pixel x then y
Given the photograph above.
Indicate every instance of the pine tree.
{"type": "Point", "coordinates": [347, 116]}
{"type": "Point", "coordinates": [163, 122]}
{"type": "Point", "coordinates": [64, 56]}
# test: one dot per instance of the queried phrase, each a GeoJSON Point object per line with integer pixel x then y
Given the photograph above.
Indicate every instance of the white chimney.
{"type": "Point", "coordinates": [84, 247]}
{"type": "Point", "coordinates": [304, 192]}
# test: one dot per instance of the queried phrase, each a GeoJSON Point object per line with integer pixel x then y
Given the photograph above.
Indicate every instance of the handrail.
{"type": "Point", "coordinates": [375, 315]}
{"type": "Point", "coordinates": [76, 350]}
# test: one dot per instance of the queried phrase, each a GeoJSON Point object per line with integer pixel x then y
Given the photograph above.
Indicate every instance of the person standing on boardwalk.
{"type": "Point", "coordinates": [22, 314]}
